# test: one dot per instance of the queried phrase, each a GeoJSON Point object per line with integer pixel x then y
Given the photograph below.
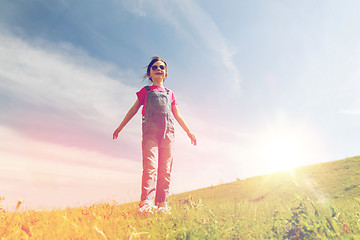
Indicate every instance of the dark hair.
{"type": "Point", "coordinates": [148, 67]}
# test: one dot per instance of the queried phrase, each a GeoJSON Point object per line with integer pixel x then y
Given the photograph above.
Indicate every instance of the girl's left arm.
{"type": "Point", "coordinates": [182, 123]}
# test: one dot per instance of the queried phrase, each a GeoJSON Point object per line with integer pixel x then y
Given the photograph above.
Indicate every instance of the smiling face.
{"type": "Point", "coordinates": [157, 72]}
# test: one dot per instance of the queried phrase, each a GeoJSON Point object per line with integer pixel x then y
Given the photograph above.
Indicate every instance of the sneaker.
{"type": "Point", "coordinates": [164, 210]}
{"type": "Point", "coordinates": [146, 209]}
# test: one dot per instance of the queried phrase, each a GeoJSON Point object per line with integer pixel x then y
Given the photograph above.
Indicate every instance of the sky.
{"type": "Point", "coordinates": [264, 86]}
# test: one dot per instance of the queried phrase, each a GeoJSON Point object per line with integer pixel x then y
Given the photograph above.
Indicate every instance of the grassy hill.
{"type": "Point", "coordinates": [320, 201]}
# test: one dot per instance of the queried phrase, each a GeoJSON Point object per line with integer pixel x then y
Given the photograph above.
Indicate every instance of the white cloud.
{"type": "Point", "coordinates": [64, 78]}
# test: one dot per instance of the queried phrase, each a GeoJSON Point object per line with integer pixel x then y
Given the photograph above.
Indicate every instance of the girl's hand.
{"type": "Point", "coordinates": [192, 137]}
{"type": "Point", "coordinates": [116, 133]}
{"type": "Point", "coordinates": [131, 113]}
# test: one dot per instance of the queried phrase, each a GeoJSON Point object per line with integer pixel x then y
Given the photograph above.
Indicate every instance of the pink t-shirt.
{"type": "Point", "coordinates": [142, 95]}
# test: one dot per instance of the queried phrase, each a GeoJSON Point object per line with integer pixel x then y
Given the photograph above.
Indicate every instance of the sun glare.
{"type": "Point", "coordinates": [282, 153]}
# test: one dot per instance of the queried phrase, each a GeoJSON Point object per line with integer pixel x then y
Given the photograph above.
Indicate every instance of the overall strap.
{"type": "Point", "coordinates": [148, 89]}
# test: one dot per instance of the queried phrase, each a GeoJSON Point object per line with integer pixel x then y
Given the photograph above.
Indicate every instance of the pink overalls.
{"type": "Point", "coordinates": [157, 146]}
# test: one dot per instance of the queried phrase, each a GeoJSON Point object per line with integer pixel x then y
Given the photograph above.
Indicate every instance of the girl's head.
{"type": "Point", "coordinates": [156, 64]}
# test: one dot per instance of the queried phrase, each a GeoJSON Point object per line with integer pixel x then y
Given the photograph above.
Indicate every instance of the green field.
{"type": "Point", "coordinates": [320, 201]}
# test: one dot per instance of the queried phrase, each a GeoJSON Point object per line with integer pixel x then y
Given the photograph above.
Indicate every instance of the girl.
{"type": "Point", "coordinates": [159, 111]}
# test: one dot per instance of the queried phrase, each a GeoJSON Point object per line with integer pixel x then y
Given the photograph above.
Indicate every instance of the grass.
{"type": "Point", "coordinates": [314, 202]}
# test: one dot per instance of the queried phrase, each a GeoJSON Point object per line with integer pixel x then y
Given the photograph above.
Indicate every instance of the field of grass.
{"type": "Point", "coordinates": [314, 202]}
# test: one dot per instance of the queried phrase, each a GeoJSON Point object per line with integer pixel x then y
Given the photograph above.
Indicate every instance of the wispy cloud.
{"type": "Point", "coordinates": [350, 112]}
{"type": "Point", "coordinates": [63, 77]}
{"type": "Point", "coordinates": [135, 6]}
{"type": "Point", "coordinates": [61, 80]}
{"type": "Point", "coordinates": [194, 24]}
{"type": "Point", "coordinates": [205, 30]}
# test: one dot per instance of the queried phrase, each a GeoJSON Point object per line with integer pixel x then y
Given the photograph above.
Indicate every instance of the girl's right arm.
{"type": "Point", "coordinates": [131, 113]}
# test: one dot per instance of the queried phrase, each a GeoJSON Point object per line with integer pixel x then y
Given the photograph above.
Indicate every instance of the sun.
{"type": "Point", "coordinates": [281, 152]}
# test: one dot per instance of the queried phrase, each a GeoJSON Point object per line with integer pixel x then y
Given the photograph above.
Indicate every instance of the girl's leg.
{"type": "Point", "coordinates": [150, 154]}
{"type": "Point", "coordinates": [164, 173]}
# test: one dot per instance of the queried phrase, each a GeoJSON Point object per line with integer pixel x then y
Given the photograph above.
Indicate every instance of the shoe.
{"type": "Point", "coordinates": [164, 210]}
{"type": "Point", "coordinates": [146, 209]}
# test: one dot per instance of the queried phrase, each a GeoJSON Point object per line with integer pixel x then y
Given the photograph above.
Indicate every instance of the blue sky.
{"type": "Point", "coordinates": [263, 85]}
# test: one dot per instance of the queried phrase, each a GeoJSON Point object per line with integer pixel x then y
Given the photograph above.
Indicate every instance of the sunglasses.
{"type": "Point", "coordinates": [154, 67]}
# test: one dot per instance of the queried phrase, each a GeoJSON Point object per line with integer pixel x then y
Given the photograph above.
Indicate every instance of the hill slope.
{"type": "Point", "coordinates": [333, 180]}
{"type": "Point", "coordinates": [314, 202]}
